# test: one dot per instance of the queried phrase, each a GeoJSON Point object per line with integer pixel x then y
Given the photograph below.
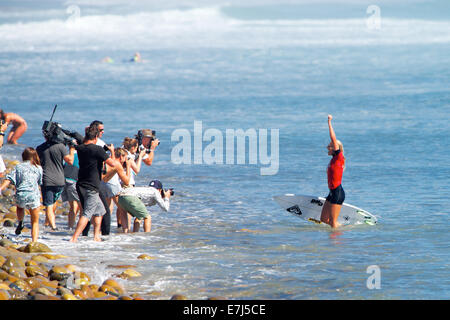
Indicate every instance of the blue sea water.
{"type": "Point", "coordinates": [263, 66]}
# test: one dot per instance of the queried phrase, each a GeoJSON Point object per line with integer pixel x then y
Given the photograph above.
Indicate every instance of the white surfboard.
{"type": "Point", "coordinates": [310, 208]}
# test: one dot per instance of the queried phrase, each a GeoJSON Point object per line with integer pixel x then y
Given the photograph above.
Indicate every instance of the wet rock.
{"type": "Point", "coordinates": [114, 284]}
{"type": "Point", "coordinates": [68, 296]}
{"type": "Point", "coordinates": [36, 247]}
{"type": "Point", "coordinates": [125, 298]}
{"type": "Point", "coordinates": [10, 215]}
{"type": "Point", "coordinates": [39, 258]}
{"type": "Point", "coordinates": [125, 266]}
{"type": "Point", "coordinates": [79, 294]}
{"type": "Point", "coordinates": [32, 271]}
{"type": "Point", "coordinates": [20, 285]}
{"type": "Point", "coordinates": [60, 274]}
{"type": "Point", "coordinates": [4, 286]}
{"type": "Point", "coordinates": [178, 297]}
{"type": "Point", "coordinates": [108, 290]}
{"type": "Point", "coordinates": [145, 257]}
{"type": "Point", "coordinates": [40, 296]}
{"type": "Point", "coordinates": [129, 273]}
{"type": "Point", "coordinates": [17, 272]}
{"type": "Point", "coordinates": [94, 287]}
{"type": "Point", "coordinates": [17, 294]}
{"type": "Point", "coordinates": [107, 297]}
{"type": "Point", "coordinates": [87, 291]}
{"type": "Point", "coordinates": [81, 278]}
{"type": "Point", "coordinates": [72, 268]}
{"type": "Point", "coordinates": [217, 298]}
{"type": "Point", "coordinates": [99, 294]}
{"type": "Point", "coordinates": [30, 263]}
{"type": "Point", "coordinates": [8, 223]}
{"type": "Point", "coordinates": [13, 262]}
{"type": "Point", "coordinates": [41, 290]}
{"type": "Point", "coordinates": [62, 291]}
{"type": "Point", "coordinates": [4, 294]}
{"type": "Point", "coordinates": [6, 242]}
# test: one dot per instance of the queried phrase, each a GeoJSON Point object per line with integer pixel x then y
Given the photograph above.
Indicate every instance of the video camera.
{"type": "Point", "coordinates": [54, 133]}
{"type": "Point", "coordinates": [146, 133]}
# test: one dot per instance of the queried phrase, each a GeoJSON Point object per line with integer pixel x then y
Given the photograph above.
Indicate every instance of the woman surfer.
{"type": "Point", "coordinates": [334, 200]}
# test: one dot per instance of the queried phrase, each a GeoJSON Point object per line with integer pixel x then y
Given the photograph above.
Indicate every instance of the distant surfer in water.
{"type": "Point", "coordinates": [19, 125]}
{"type": "Point", "coordinates": [335, 170]}
{"type": "Point", "coordinates": [136, 57]}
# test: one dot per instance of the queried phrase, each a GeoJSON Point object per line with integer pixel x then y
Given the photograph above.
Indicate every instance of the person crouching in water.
{"type": "Point", "coordinates": [27, 177]}
{"type": "Point", "coordinates": [335, 170]}
{"type": "Point", "coordinates": [135, 199]}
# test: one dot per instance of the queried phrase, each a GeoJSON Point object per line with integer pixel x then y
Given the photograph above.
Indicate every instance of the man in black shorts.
{"type": "Point", "coordinates": [91, 158]}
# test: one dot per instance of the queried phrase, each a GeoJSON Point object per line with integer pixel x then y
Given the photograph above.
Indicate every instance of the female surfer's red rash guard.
{"type": "Point", "coordinates": [335, 170]}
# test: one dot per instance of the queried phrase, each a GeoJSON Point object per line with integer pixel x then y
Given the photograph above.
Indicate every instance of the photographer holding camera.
{"type": "Point", "coordinates": [52, 154]}
{"type": "Point", "coordinates": [135, 199]}
{"type": "Point", "coordinates": [147, 140]}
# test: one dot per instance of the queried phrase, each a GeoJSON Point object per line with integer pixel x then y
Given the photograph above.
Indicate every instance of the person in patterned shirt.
{"type": "Point", "coordinates": [27, 177]}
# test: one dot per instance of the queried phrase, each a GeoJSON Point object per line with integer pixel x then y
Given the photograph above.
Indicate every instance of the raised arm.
{"type": "Point", "coordinates": [334, 142]}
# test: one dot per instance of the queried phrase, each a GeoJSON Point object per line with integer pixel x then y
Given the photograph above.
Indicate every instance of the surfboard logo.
{"type": "Point", "coordinates": [295, 210]}
{"type": "Point", "coordinates": [318, 202]}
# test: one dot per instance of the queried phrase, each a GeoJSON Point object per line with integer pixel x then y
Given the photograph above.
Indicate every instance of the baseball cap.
{"type": "Point", "coordinates": [156, 184]}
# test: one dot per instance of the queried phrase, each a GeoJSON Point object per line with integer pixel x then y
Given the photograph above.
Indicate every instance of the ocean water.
{"type": "Point", "coordinates": [262, 66]}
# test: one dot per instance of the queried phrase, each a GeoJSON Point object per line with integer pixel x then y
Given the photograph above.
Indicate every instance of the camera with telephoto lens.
{"type": "Point", "coordinates": [171, 192]}
{"type": "Point", "coordinates": [54, 133]}
{"type": "Point", "coordinates": [146, 133]}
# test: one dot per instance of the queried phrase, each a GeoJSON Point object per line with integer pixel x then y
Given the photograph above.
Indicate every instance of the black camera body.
{"type": "Point", "coordinates": [146, 133]}
{"type": "Point", "coordinates": [171, 192]}
{"type": "Point", "coordinates": [54, 133]}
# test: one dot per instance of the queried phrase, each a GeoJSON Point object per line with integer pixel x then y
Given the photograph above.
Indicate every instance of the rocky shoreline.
{"type": "Point", "coordinates": [29, 271]}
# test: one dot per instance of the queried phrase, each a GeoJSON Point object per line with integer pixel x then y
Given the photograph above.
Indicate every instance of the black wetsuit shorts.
{"type": "Point", "coordinates": [336, 196]}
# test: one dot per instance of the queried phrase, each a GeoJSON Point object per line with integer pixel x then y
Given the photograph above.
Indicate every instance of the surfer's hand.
{"type": "Point", "coordinates": [330, 117]}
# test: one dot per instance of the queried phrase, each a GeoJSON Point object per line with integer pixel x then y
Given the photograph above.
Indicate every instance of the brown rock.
{"type": "Point", "coordinates": [178, 297]}
{"type": "Point", "coordinates": [8, 223]}
{"type": "Point", "coordinates": [32, 271]}
{"type": "Point", "coordinates": [145, 257]}
{"type": "Point", "coordinates": [87, 291]}
{"type": "Point", "coordinates": [11, 216]}
{"type": "Point", "coordinates": [99, 294]}
{"type": "Point", "coordinates": [36, 247]}
{"type": "Point", "coordinates": [80, 294]}
{"type": "Point", "coordinates": [114, 284]}
{"type": "Point", "coordinates": [6, 243]}
{"type": "Point", "coordinates": [39, 258]}
{"type": "Point", "coordinates": [13, 262]}
{"type": "Point", "coordinates": [68, 296]}
{"type": "Point", "coordinates": [21, 285]}
{"type": "Point", "coordinates": [4, 294]}
{"type": "Point", "coordinates": [129, 273]}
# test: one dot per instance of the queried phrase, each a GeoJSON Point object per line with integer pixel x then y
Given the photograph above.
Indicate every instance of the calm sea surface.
{"type": "Point", "coordinates": [262, 67]}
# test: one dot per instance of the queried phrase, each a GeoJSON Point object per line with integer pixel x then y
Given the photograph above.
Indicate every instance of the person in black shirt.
{"type": "Point", "coordinates": [91, 158]}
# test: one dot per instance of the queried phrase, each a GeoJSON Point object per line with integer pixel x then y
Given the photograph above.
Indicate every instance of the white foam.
{"type": "Point", "coordinates": [208, 27]}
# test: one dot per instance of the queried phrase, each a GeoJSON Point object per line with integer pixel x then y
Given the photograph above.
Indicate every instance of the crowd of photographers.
{"type": "Point", "coordinates": [91, 176]}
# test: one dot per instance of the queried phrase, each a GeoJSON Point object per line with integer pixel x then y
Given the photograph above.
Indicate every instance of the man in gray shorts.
{"type": "Point", "coordinates": [91, 158]}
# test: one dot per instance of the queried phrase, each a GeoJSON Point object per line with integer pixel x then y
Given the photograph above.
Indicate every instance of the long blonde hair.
{"type": "Point", "coordinates": [341, 148]}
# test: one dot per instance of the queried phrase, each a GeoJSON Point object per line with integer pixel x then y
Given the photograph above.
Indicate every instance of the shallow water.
{"type": "Point", "coordinates": [388, 91]}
